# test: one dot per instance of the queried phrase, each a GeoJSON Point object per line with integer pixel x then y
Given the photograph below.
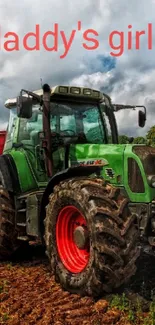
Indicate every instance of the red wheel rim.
{"type": "Point", "coordinates": [74, 259]}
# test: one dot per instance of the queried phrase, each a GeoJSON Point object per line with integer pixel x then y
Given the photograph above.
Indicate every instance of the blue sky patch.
{"type": "Point", "coordinates": [101, 63]}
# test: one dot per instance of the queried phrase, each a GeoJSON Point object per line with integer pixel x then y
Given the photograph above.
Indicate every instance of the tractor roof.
{"type": "Point", "coordinates": [12, 101]}
{"type": "Point", "coordinates": [68, 91]}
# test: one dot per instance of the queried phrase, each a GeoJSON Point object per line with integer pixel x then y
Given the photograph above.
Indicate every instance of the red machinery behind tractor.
{"type": "Point", "coordinates": [2, 140]}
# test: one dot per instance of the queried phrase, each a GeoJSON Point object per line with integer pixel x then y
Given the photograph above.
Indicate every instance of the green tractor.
{"type": "Point", "coordinates": [67, 184]}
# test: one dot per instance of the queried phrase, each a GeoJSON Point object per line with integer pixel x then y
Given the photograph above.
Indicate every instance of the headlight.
{"type": "Point", "coordinates": [151, 180]}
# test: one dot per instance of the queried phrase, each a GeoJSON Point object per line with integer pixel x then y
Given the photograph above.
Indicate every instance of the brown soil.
{"type": "Point", "coordinates": [29, 295]}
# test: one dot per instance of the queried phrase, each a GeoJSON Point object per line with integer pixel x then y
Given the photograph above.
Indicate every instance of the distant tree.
{"type": "Point", "coordinates": [140, 140]}
{"type": "Point", "coordinates": [151, 136]}
{"type": "Point", "coordinates": [123, 139]}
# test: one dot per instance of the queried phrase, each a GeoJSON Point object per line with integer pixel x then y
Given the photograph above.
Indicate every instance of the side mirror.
{"type": "Point", "coordinates": [24, 107]}
{"type": "Point", "coordinates": [141, 119]}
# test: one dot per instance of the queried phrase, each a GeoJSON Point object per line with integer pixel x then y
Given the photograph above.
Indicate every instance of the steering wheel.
{"type": "Point", "coordinates": [58, 141]}
{"type": "Point", "coordinates": [68, 130]}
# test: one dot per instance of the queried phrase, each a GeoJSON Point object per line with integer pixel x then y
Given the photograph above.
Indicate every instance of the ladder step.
{"type": "Point", "coordinates": [22, 210]}
{"type": "Point", "coordinates": [21, 224]}
{"type": "Point", "coordinates": [23, 238]}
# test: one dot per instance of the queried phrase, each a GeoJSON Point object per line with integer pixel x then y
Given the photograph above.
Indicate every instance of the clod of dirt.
{"type": "Point", "coordinates": [101, 306]}
{"type": "Point", "coordinates": [111, 317]}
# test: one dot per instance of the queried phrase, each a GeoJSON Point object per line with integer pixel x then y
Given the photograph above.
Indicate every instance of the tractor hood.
{"type": "Point", "coordinates": [110, 156]}
{"type": "Point", "coordinates": [129, 166]}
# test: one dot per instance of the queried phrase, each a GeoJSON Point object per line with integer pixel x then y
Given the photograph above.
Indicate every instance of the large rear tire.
{"type": "Point", "coordinates": [91, 237]}
{"type": "Point", "coordinates": [8, 235]}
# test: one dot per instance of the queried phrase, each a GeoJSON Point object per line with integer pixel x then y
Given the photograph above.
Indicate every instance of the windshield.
{"type": "Point", "coordinates": [76, 120]}
{"type": "Point", "coordinates": [73, 122]}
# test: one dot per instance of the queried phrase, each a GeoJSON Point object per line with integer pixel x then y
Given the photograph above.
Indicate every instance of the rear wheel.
{"type": "Point", "coordinates": [8, 235]}
{"type": "Point", "coordinates": [91, 237]}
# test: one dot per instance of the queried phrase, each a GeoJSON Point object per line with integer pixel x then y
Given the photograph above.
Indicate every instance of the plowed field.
{"type": "Point", "coordinates": [29, 295]}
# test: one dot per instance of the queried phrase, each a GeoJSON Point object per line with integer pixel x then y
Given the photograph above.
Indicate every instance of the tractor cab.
{"type": "Point", "coordinates": [74, 116]}
{"type": "Point", "coordinates": [56, 125]}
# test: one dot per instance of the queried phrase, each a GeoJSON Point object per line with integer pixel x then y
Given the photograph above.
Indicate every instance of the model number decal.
{"type": "Point", "coordinates": [96, 162]}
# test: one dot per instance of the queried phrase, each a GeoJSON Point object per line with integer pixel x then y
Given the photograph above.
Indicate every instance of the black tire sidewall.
{"type": "Point", "coordinates": [9, 231]}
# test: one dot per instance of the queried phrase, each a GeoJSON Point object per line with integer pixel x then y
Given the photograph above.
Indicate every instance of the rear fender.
{"type": "Point", "coordinates": [8, 174]}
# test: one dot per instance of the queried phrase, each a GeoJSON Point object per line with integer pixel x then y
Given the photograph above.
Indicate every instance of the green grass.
{"type": "Point", "coordinates": [134, 315]}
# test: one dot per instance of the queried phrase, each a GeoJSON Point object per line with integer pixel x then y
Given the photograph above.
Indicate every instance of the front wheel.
{"type": "Point", "coordinates": [91, 237]}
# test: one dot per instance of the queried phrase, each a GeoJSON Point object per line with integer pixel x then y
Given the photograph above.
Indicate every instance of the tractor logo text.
{"type": "Point", "coordinates": [96, 162]}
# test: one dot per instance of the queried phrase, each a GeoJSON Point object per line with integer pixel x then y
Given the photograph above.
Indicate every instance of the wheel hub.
{"type": "Point", "coordinates": [80, 237]}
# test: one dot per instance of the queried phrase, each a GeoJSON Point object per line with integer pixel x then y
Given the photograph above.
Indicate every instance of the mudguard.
{"type": "Point", "coordinates": [8, 174]}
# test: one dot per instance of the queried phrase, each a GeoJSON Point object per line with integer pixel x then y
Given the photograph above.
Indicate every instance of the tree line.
{"type": "Point", "coordinates": [149, 139]}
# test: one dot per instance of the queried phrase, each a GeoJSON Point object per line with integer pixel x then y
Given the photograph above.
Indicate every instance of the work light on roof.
{"type": "Point", "coordinates": [75, 90]}
{"type": "Point", "coordinates": [63, 90]}
{"type": "Point", "coordinates": [96, 93]}
{"type": "Point", "coordinates": [87, 91]}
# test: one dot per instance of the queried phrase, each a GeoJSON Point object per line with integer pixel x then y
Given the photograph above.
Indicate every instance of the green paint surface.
{"type": "Point", "coordinates": [32, 173]}
{"type": "Point", "coordinates": [29, 177]}
{"type": "Point", "coordinates": [117, 157]}
{"type": "Point", "coordinates": [25, 176]}
{"type": "Point", "coordinates": [112, 153]}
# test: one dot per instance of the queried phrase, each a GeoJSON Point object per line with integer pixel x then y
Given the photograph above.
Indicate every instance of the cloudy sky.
{"type": "Point", "coordinates": [128, 78]}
